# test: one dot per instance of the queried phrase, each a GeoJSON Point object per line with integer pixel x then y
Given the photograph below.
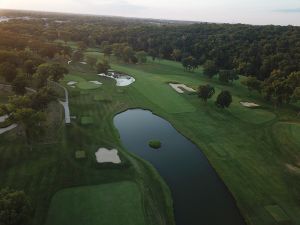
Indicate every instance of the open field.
{"type": "Point", "coordinates": [95, 205]}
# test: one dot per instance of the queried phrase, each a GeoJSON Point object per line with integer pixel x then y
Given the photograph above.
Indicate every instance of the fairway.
{"type": "Point", "coordinates": [157, 91]}
{"type": "Point", "coordinates": [106, 204]}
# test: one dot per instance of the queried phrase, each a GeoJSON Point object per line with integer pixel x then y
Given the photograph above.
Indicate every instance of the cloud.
{"type": "Point", "coordinates": [294, 10]}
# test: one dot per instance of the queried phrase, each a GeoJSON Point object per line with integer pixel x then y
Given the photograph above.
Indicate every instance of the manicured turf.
{"type": "Point", "coordinates": [81, 82]}
{"type": "Point", "coordinates": [249, 148]}
{"type": "Point", "coordinates": [86, 120]}
{"type": "Point", "coordinates": [277, 213]}
{"type": "Point", "coordinates": [106, 204]}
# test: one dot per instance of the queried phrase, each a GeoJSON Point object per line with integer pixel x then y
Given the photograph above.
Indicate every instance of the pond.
{"type": "Point", "coordinates": [199, 195]}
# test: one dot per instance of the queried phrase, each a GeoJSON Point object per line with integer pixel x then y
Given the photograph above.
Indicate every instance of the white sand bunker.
{"type": "Point", "coordinates": [104, 155]}
{"type": "Point", "coordinates": [249, 104]}
{"type": "Point", "coordinates": [122, 80]}
{"type": "Point", "coordinates": [84, 63]}
{"type": "Point", "coordinates": [71, 83]}
{"type": "Point", "coordinates": [95, 82]}
{"type": "Point", "coordinates": [6, 129]}
{"type": "Point", "coordinates": [180, 88]}
{"type": "Point", "coordinates": [69, 61]}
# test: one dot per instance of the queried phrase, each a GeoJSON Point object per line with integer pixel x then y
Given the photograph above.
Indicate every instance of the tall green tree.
{"type": "Point", "coordinates": [252, 84]}
{"type": "Point", "coordinates": [205, 92]}
{"type": "Point", "coordinates": [15, 207]}
{"type": "Point", "coordinates": [141, 56]}
{"type": "Point", "coordinates": [224, 99]}
{"type": "Point", "coordinates": [210, 68]}
{"type": "Point", "coordinates": [189, 63]}
{"type": "Point", "coordinates": [8, 71]}
{"type": "Point", "coordinates": [19, 85]}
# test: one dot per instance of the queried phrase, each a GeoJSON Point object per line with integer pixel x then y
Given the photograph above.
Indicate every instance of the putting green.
{"type": "Point", "coordinates": [107, 204]}
{"type": "Point", "coordinates": [81, 82]}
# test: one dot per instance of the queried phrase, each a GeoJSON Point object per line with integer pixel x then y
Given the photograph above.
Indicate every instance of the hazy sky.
{"type": "Point", "coordinates": [281, 12]}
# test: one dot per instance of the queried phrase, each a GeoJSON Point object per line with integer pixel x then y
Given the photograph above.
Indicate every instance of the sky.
{"type": "Point", "coordinates": [260, 12]}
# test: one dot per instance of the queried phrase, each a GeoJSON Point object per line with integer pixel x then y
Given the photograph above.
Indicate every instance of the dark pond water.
{"type": "Point", "coordinates": [200, 197]}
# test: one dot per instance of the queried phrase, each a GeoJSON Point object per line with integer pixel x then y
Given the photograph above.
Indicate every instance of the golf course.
{"type": "Point", "coordinates": [254, 151]}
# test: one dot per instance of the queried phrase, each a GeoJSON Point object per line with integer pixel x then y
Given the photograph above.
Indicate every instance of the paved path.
{"type": "Point", "coordinates": [65, 104]}
{"type": "Point", "coordinates": [3, 130]}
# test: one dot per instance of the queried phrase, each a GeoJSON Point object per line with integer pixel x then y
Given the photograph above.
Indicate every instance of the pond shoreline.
{"type": "Point", "coordinates": [239, 216]}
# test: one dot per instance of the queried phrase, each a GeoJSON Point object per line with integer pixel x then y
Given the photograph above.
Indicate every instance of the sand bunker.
{"type": "Point", "coordinates": [4, 130]}
{"type": "Point", "coordinates": [249, 104]}
{"type": "Point", "coordinates": [71, 83]}
{"type": "Point", "coordinates": [95, 82]}
{"type": "Point", "coordinates": [104, 155]}
{"type": "Point", "coordinates": [84, 63]}
{"type": "Point", "coordinates": [122, 80]}
{"type": "Point", "coordinates": [3, 118]}
{"type": "Point", "coordinates": [69, 61]}
{"type": "Point", "coordinates": [180, 88]}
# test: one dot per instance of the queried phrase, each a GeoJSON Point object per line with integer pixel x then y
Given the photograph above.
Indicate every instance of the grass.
{"type": "Point", "coordinates": [86, 120]}
{"type": "Point", "coordinates": [249, 148]}
{"type": "Point", "coordinates": [81, 82]}
{"type": "Point", "coordinates": [80, 154]}
{"type": "Point", "coordinates": [155, 144]}
{"type": "Point", "coordinates": [277, 213]}
{"type": "Point", "coordinates": [106, 204]}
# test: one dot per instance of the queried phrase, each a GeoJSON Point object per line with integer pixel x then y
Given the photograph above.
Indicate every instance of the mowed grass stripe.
{"type": "Point", "coordinates": [107, 204]}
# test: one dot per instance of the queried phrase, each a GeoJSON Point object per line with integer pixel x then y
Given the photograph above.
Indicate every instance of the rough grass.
{"type": "Point", "coordinates": [106, 204]}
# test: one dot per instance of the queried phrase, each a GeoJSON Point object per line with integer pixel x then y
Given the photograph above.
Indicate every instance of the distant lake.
{"type": "Point", "coordinates": [200, 197]}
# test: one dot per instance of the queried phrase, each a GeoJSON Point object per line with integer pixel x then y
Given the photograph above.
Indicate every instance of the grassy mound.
{"type": "Point", "coordinates": [154, 144]}
{"type": "Point", "coordinates": [108, 204]}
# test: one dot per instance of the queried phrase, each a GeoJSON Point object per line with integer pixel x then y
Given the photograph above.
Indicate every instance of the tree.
{"type": "Point", "coordinates": [103, 67]}
{"type": "Point", "coordinates": [210, 68]}
{"type": "Point", "coordinates": [82, 46]}
{"type": "Point", "coordinates": [15, 207]}
{"type": "Point", "coordinates": [30, 120]}
{"type": "Point", "coordinates": [107, 50]}
{"type": "Point", "coordinates": [29, 67]}
{"type": "Point", "coordinates": [19, 85]}
{"type": "Point", "coordinates": [252, 84]}
{"type": "Point", "coordinates": [127, 54]}
{"type": "Point", "coordinates": [91, 60]}
{"type": "Point", "coordinates": [176, 54]}
{"type": "Point", "coordinates": [47, 71]}
{"type": "Point", "coordinates": [57, 71]}
{"type": "Point", "coordinates": [205, 92]}
{"type": "Point", "coordinates": [77, 56]}
{"type": "Point", "coordinates": [153, 54]}
{"type": "Point", "coordinates": [8, 71]}
{"type": "Point", "coordinates": [224, 99]}
{"type": "Point", "coordinates": [227, 75]}
{"type": "Point", "coordinates": [41, 98]}
{"type": "Point", "coordinates": [296, 94]}
{"type": "Point", "coordinates": [189, 63]}
{"type": "Point", "coordinates": [141, 56]}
